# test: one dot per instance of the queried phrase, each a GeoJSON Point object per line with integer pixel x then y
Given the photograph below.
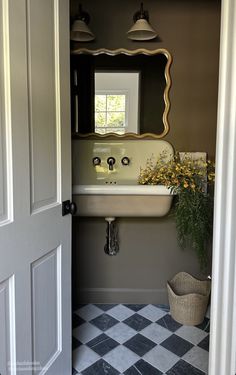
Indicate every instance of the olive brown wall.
{"type": "Point", "coordinates": [149, 253]}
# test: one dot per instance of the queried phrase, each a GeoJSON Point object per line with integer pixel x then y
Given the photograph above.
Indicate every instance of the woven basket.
{"type": "Point", "coordinates": [188, 298]}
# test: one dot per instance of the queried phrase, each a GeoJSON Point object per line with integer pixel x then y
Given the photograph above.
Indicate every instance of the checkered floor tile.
{"type": "Point", "coordinates": [136, 339]}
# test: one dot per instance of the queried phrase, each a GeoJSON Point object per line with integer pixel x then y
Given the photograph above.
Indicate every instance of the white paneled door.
{"type": "Point", "coordinates": [35, 239]}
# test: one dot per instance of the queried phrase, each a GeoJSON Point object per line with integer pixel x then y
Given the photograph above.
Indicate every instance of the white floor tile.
{"type": "Point", "coordinates": [86, 332]}
{"type": "Point", "coordinates": [121, 358]}
{"type": "Point", "coordinates": [120, 312]}
{"type": "Point", "coordinates": [161, 358]}
{"type": "Point", "coordinates": [89, 312]}
{"type": "Point", "coordinates": [121, 332]}
{"type": "Point", "coordinates": [152, 313]}
{"type": "Point", "coordinates": [84, 357]}
{"type": "Point", "coordinates": [197, 357]}
{"type": "Point", "coordinates": [191, 334]}
{"type": "Point", "coordinates": [156, 333]}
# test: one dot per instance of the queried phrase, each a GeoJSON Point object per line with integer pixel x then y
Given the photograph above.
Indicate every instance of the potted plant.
{"type": "Point", "coordinates": [193, 209]}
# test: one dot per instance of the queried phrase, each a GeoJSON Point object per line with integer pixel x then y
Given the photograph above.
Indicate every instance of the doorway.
{"type": "Point", "coordinates": [101, 236]}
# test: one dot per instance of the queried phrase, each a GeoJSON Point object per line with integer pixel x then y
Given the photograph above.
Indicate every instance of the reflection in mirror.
{"type": "Point", "coordinates": [120, 93]}
{"type": "Point", "coordinates": [116, 102]}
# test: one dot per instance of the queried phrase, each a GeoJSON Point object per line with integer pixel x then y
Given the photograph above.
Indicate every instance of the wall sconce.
{"type": "Point", "coordinates": [80, 31]}
{"type": "Point", "coordinates": [141, 30]}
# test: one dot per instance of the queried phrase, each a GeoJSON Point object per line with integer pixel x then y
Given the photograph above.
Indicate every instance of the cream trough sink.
{"type": "Point", "coordinates": [122, 200]}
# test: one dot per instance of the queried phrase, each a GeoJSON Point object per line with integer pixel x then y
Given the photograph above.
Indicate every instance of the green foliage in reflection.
{"type": "Point", "coordinates": [116, 103]}
{"type": "Point", "coordinates": [100, 103]}
{"type": "Point", "coordinates": [116, 119]}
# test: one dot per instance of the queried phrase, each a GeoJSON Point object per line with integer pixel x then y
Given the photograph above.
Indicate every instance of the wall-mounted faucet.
{"type": "Point", "coordinates": [125, 160]}
{"type": "Point", "coordinates": [96, 161]}
{"type": "Point", "coordinates": [111, 161]}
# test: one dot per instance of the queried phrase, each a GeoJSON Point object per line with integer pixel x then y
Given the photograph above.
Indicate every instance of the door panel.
{"type": "Point", "coordinates": [5, 128]}
{"type": "Point", "coordinates": [46, 308]}
{"type": "Point", "coordinates": [3, 161]}
{"type": "Point", "coordinates": [7, 333]}
{"type": "Point", "coordinates": [3, 177]}
{"type": "Point", "coordinates": [44, 101]}
{"type": "Point", "coordinates": [35, 240]}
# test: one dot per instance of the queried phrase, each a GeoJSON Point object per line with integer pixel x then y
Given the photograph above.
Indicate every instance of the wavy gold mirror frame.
{"type": "Point", "coordinates": [165, 95]}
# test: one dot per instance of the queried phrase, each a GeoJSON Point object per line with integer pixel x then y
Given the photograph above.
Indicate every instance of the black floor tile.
{"type": "Point", "coordinates": [205, 325]}
{"type": "Point", "coordinates": [137, 322]}
{"type": "Point", "coordinates": [204, 344]}
{"type": "Point", "coordinates": [169, 323]}
{"type": "Point", "coordinates": [75, 343]}
{"type": "Point", "coordinates": [134, 307]}
{"type": "Point", "coordinates": [80, 305]}
{"type": "Point", "coordinates": [102, 344]}
{"type": "Point", "coordinates": [139, 344]}
{"type": "Point", "coordinates": [143, 368]}
{"type": "Point", "coordinates": [77, 320]}
{"type": "Point", "coordinates": [100, 368]}
{"type": "Point", "coordinates": [184, 368]}
{"type": "Point", "coordinates": [132, 371]}
{"type": "Point", "coordinates": [74, 372]}
{"type": "Point", "coordinates": [104, 322]}
{"type": "Point", "coordinates": [177, 345]}
{"type": "Point", "coordinates": [105, 306]}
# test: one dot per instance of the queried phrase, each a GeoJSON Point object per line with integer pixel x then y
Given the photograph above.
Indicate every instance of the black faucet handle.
{"type": "Point", "coordinates": [96, 161]}
{"type": "Point", "coordinates": [125, 160]}
{"type": "Point", "coordinates": [111, 160]}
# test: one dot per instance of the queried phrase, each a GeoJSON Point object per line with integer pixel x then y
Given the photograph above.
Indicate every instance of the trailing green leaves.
{"type": "Point", "coordinates": [193, 216]}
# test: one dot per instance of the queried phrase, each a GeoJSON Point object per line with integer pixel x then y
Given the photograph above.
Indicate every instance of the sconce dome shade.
{"type": "Point", "coordinates": [80, 32]}
{"type": "Point", "coordinates": [141, 30]}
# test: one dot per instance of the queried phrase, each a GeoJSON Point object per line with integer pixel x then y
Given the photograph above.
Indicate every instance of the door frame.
{"type": "Point", "coordinates": [222, 354]}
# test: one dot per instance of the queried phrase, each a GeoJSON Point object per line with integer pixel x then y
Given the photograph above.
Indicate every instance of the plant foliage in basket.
{"type": "Point", "coordinates": [193, 210]}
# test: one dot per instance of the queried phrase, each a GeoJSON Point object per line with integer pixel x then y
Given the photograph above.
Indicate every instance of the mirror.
{"type": "Point", "coordinates": [120, 93]}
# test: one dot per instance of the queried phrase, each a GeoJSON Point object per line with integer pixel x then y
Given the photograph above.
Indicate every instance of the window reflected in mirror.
{"type": "Point", "coordinates": [116, 102]}
{"type": "Point", "coordinates": [110, 113]}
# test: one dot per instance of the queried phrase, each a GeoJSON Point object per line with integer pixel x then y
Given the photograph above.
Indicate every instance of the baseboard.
{"type": "Point", "coordinates": [122, 295]}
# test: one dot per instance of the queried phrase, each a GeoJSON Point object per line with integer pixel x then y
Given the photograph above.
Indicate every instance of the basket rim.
{"type": "Point", "coordinates": [189, 294]}
{"type": "Point", "coordinates": [189, 276]}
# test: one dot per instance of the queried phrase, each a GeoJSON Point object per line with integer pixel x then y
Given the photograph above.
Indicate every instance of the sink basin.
{"type": "Point", "coordinates": [121, 189]}
{"type": "Point", "coordinates": [101, 191]}
{"type": "Point", "coordinates": [122, 200]}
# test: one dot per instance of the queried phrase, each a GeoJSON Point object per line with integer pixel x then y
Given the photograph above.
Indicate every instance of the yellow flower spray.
{"type": "Point", "coordinates": [193, 211]}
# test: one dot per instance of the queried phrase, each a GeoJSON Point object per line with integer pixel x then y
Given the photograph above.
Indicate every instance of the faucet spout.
{"type": "Point", "coordinates": [111, 161]}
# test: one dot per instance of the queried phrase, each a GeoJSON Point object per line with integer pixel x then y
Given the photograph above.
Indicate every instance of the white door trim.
{"type": "Point", "coordinates": [223, 301]}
